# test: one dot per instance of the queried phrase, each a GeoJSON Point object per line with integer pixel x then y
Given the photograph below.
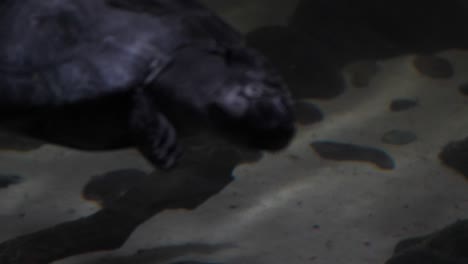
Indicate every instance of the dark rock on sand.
{"type": "Point", "coordinates": [307, 113]}
{"type": "Point", "coordinates": [399, 137]}
{"type": "Point", "coordinates": [434, 67]}
{"type": "Point", "coordinates": [447, 246]}
{"type": "Point", "coordinates": [463, 88]}
{"type": "Point", "coordinates": [362, 72]}
{"type": "Point", "coordinates": [403, 104]}
{"type": "Point", "coordinates": [455, 156]}
{"type": "Point", "coordinates": [7, 180]}
{"type": "Point", "coordinates": [350, 152]}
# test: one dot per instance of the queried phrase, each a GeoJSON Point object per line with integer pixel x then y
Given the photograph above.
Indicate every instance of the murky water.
{"type": "Point", "coordinates": [380, 91]}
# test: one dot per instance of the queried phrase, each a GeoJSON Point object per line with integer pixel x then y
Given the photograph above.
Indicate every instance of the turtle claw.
{"type": "Point", "coordinates": [165, 150]}
{"type": "Point", "coordinates": [158, 143]}
{"type": "Point", "coordinates": [154, 135]}
{"type": "Point", "coordinates": [170, 159]}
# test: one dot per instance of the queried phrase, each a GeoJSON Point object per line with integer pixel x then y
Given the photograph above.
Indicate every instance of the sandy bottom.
{"type": "Point", "coordinates": [290, 207]}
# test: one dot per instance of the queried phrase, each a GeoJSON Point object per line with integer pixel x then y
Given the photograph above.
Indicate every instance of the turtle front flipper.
{"type": "Point", "coordinates": [152, 132]}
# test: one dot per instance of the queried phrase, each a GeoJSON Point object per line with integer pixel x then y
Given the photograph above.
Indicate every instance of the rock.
{"type": "Point", "coordinates": [350, 152]}
{"type": "Point", "coordinates": [455, 156]}
{"type": "Point", "coordinates": [403, 104]}
{"type": "Point", "coordinates": [6, 180]}
{"type": "Point", "coordinates": [399, 137]}
{"type": "Point", "coordinates": [463, 88]}
{"type": "Point", "coordinates": [362, 72]}
{"type": "Point", "coordinates": [447, 246]}
{"type": "Point", "coordinates": [434, 67]}
{"type": "Point", "coordinates": [307, 113]}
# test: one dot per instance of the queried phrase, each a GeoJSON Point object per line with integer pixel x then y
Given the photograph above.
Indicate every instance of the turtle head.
{"type": "Point", "coordinates": [256, 114]}
{"type": "Point", "coordinates": [234, 90]}
{"type": "Point", "coordinates": [253, 105]}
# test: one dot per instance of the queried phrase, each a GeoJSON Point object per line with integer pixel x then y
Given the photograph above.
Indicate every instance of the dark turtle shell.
{"type": "Point", "coordinates": [65, 51]}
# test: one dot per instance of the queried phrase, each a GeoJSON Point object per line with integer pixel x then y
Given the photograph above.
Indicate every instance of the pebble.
{"type": "Point", "coordinates": [349, 152]}
{"type": "Point", "coordinates": [399, 137]}
{"type": "Point", "coordinates": [433, 66]}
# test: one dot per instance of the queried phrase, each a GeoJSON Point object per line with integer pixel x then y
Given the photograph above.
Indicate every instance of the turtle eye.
{"type": "Point", "coordinates": [233, 103]}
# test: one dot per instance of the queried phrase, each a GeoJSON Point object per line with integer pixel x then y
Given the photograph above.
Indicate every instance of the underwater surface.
{"type": "Point", "coordinates": [380, 156]}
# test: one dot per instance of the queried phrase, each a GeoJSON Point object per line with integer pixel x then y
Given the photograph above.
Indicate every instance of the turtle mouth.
{"type": "Point", "coordinates": [270, 124]}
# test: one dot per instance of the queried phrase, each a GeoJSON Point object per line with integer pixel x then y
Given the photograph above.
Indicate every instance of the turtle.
{"type": "Point", "coordinates": [158, 61]}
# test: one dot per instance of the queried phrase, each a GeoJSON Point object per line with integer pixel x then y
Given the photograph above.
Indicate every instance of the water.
{"type": "Point", "coordinates": [296, 206]}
